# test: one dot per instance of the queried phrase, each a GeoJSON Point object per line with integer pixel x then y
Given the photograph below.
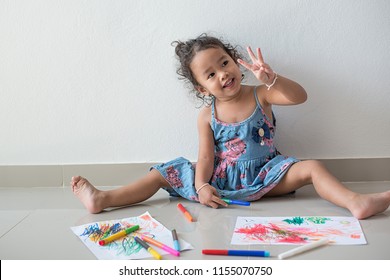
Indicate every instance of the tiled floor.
{"type": "Point", "coordinates": [35, 224]}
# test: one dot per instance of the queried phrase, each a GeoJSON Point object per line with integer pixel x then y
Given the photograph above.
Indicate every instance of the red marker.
{"type": "Point", "coordinates": [185, 212]}
{"type": "Point", "coordinates": [246, 253]}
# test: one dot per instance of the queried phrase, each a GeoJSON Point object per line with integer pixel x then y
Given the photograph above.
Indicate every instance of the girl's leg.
{"type": "Point", "coordinates": [328, 187]}
{"type": "Point", "coordinates": [96, 200]}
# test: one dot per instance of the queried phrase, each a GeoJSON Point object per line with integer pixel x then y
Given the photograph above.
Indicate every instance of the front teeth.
{"type": "Point", "coordinates": [229, 83]}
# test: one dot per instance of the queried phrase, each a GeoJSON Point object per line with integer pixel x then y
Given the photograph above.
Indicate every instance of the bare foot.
{"type": "Point", "coordinates": [367, 205]}
{"type": "Point", "coordinates": [88, 194]}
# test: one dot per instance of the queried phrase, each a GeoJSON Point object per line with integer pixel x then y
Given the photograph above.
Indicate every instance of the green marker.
{"type": "Point", "coordinates": [118, 235]}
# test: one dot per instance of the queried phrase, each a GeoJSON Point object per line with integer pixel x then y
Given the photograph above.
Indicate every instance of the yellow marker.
{"type": "Point", "coordinates": [156, 255]}
{"type": "Point", "coordinates": [118, 235]}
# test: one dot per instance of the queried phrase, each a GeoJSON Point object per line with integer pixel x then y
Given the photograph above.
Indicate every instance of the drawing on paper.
{"type": "Point", "coordinates": [297, 230]}
{"type": "Point", "coordinates": [127, 247]}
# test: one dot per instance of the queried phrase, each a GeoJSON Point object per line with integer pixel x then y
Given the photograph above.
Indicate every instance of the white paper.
{"type": "Point", "coordinates": [125, 248]}
{"type": "Point", "coordinates": [297, 230]}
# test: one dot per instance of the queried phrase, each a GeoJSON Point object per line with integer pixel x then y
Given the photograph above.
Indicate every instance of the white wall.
{"type": "Point", "coordinates": [95, 82]}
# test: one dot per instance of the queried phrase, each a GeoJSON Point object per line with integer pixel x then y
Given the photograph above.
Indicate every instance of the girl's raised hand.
{"type": "Point", "coordinates": [259, 68]}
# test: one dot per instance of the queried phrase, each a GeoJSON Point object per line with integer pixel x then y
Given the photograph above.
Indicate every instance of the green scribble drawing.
{"type": "Point", "coordinates": [129, 247]}
{"type": "Point", "coordinates": [295, 221]}
{"type": "Point", "coordinates": [318, 220]}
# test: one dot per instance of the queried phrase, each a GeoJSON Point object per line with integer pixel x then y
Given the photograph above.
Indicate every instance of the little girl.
{"type": "Point", "coordinates": [237, 157]}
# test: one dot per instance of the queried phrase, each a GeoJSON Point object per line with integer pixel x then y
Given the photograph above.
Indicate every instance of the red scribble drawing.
{"type": "Point", "coordinates": [297, 230]}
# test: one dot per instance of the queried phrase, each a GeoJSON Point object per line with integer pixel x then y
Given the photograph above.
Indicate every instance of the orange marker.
{"type": "Point", "coordinates": [185, 212]}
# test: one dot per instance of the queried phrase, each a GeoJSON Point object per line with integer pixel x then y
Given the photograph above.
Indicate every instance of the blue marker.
{"type": "Point", "coordinates": [245, 253]}
{"type": "Point", "coordinates": [176, 243]}
{"type": "Point", "coordinates": [237, 202]}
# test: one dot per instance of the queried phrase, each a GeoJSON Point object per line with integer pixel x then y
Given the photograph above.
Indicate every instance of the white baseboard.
{"type": "Point", "coordinates": [346, 170]}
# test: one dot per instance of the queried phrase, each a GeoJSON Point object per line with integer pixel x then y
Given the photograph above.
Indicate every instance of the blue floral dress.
{"type": "Point", "coordinates": [246, 166]}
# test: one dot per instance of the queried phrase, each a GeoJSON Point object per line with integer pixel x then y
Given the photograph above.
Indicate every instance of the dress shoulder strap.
{"type": "Point", "coordinates": [213, 109]}
{"type": "Point", "coordinates": [261, 108]}
{"type": "Point", "coordinates": [257, 99]}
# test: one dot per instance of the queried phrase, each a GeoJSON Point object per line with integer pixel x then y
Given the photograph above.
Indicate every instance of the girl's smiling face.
{"type": "Point", "coordinates": [217, 73]}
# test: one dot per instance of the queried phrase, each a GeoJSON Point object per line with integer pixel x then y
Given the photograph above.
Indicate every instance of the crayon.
{"type": "Point", "coordinates": [237, 202]}
{"type": "Point", "coordinates": [303, 248]}
{"type": "Point", "coordinates": [176, 243]}
{"type": "Point", "coordinates": [160, 245]}
{"type": "Point", "coordinates": [185, 212]}
{"type": "Point", "coordinates": [118, 235]}
{"type": "Point", "coordinates": [246, 253]}
{"type": "Point", "coordinates": [156, 255]}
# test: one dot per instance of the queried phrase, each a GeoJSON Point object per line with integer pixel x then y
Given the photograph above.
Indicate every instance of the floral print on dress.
{"type": "Point", "coordinates": [235, 148]}
{"type": "Point", "coordinates": [173, 177]}
{"type": "Point", "coordinates": [262, 174]}
{"type": "Point", "coordinates": [247, 164]}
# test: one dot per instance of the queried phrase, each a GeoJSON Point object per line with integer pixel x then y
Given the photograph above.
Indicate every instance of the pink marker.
{"type": "Point", "coordinates": [160, 245]}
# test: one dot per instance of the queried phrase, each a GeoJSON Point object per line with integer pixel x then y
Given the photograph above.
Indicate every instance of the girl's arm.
{"type": "Point", "coordinates": [208, 195]}
{"type": "Point", "coordinates": [282, 92]}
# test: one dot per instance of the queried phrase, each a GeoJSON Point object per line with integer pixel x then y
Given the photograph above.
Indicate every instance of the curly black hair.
{"type": "Point", "coordinates": [185, 52]}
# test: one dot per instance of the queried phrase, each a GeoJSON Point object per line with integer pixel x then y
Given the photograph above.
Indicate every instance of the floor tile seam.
{"type": "Point", "coordinates": [18, 223]}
